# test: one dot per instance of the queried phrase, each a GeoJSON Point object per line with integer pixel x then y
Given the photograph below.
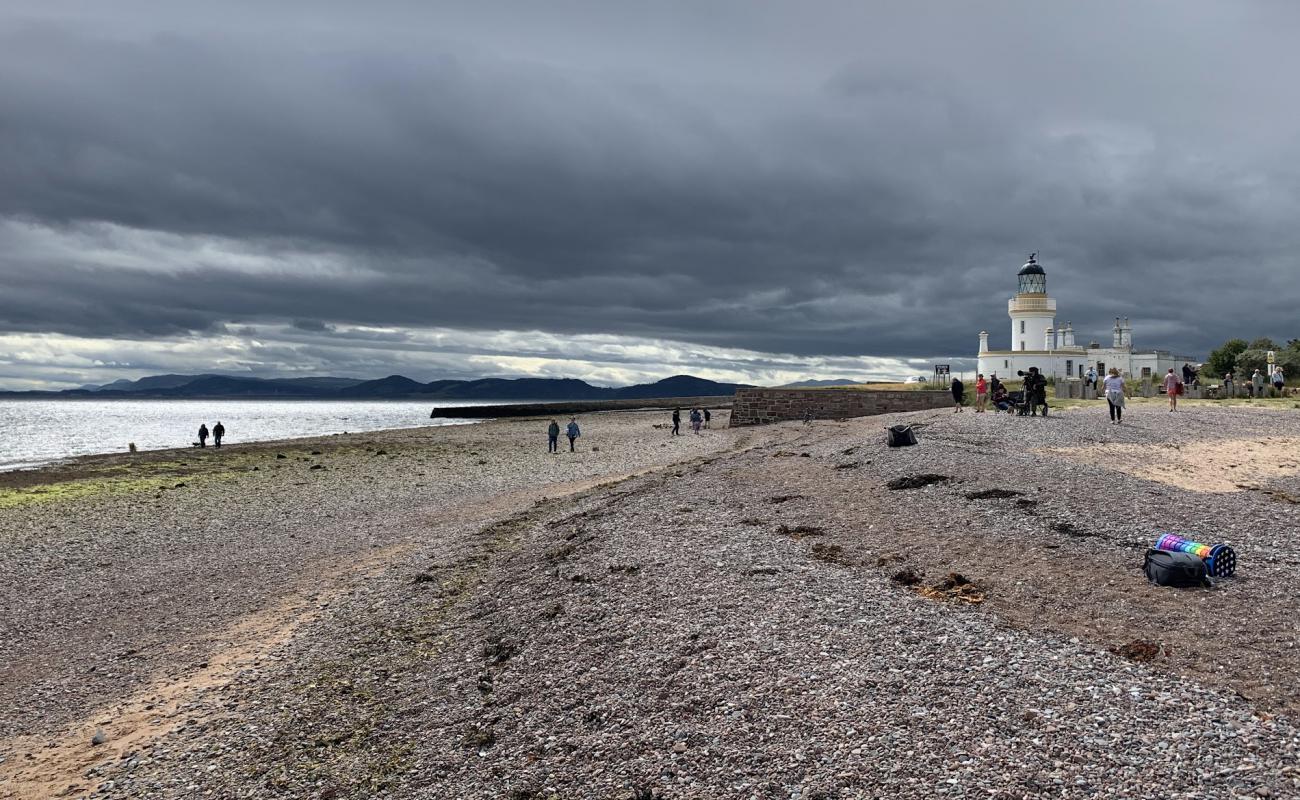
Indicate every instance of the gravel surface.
{"type": "Point", "coordinates": [117, 571]}
{"type": "Point", "coordinates": [774, 622]}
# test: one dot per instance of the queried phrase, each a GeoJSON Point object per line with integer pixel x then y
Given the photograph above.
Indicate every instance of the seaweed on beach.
{"type": "Point", "coordinates": [777, 499]}
{"type": "Point", "coordinates": [916, 481]}
{"type": "Point", "coordinates": [954, 586]}
{"type": "Point", "coordinates": [993, 494]}
{"type": "Point", "coordinates": [1069, 530]}
{"type": "Point", "coordinates": [906, 577]}
{"type": "Point", "coordinates": [799, 531]}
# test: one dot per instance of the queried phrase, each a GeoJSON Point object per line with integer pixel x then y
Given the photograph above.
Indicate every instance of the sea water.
{"type": "Point", "coordinates": [36, 432]}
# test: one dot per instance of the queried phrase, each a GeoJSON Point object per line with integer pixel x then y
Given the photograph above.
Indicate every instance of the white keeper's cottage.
{"type": "Point", "coordinates": [1036, 341]}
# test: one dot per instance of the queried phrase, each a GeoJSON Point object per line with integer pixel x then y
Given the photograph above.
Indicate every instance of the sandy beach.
{"type": "Point", "coordinates": [452, 612]}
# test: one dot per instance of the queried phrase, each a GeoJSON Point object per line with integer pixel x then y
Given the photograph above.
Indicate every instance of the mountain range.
{"type": "Point", "coordinates": [392, 387]}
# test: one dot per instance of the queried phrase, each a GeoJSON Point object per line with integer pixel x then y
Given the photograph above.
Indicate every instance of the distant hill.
{"type": "Point", "coordinates": [676, 386]}
{"type": "Point", "coordinates": [523, 389]}
{"type": "Point", "coordinates": [392, 387]}
{"type": "Point", "coordinates": [149, 384]}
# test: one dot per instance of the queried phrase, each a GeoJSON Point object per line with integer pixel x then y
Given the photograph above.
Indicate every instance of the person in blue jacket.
{"type": "Point", "coordinates": [573, 432]}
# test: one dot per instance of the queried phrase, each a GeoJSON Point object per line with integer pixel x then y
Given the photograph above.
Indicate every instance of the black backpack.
{"type": "Point", "coordinates": [900, 436]}
{"type": "Point", "coordinates": [1164, 568]}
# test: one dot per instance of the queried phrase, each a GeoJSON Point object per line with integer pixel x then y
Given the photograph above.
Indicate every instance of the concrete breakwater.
{"type": "Point", "coordinates": [761, 406]}
{"type": "Point", "coordinates": [571, 407]}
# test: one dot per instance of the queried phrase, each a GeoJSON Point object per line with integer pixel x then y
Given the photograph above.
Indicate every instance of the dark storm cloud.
{"type": "Point", "coordinates": [812, 179]}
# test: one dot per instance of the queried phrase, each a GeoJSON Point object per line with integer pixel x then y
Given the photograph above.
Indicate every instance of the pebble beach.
{"type": "Point", "coordinates": [749, 613]}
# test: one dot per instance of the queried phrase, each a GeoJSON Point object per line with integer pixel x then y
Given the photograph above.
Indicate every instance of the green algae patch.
{"type": "Point", "coordinates": [73, 490]}
{"type": "Point", "coordinates": [116, 480]}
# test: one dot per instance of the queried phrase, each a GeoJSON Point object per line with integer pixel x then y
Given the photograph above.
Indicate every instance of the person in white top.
{"type": "Point", "coordinates": [1279, 380]}
{"type": "Point", "coordinates": [1171, 389]}
{"type": "Point", "coordinates": [1114, 386]}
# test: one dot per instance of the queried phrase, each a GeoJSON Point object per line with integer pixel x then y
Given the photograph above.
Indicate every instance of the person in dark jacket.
{"type": "Point", "coordinates": [218, 431]}
{"type": "Point", "coordinates": [203, 434]}
{"type": "Point", "coordinates": [677, 422]}
{"type": "Point", "coordinates": [1035, 391]}
{"type": "Point", "coordinates": [707, 417]}
{"type": "Point", "coordinates": [553, 437]}
{"type": "Point", "coordinates": [958, 393]}
{"type": "Point", "coordinates": [573, 432]}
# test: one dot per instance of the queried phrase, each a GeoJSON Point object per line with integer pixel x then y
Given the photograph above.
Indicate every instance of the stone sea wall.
{"type": "Point", "coordinates": [568, 407]}
{"type": "Point", "coordinates": [761, 406]}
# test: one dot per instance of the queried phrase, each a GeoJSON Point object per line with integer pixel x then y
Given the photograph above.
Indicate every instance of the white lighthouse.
{"type": "Point", "coordinates": [1032, 312]}
{"type": "Point", "coordinates": [1036, 341]}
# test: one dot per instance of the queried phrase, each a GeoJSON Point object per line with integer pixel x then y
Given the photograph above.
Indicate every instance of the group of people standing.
{"type": "Point", "coordinates": [699, 418]}
{"type": "Point", "coordinates": [993, 390]}
{"type": "Point", "coordinates": [553, 435]}
{"type": "Point", "coordinates": [1257, 384]}
{"type": "Point", "coordinates": [218, 431]}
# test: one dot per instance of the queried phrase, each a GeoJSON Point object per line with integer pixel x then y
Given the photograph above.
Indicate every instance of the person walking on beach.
{"type": "Point", "coordinates": [218, 431]}
{"type": "Point", "coordinates": [981, 393]}
{"type": "Point", "coordinates": [708, 416]}
{"type": "Point", "coordinates": [553, 437]}
{"type": "Point", "coordinates": [1229, 389]}
{"type": "Point", "coordinates": [958, 393]}
{"type": "Point", "coordinates": [203, 434]}
{"type": "Point", "coordinates": [1114, 387]}
{"type": "Point", "coordinates": [1171, 389]}
{"type": "Point", "coordinates": [1257, 384]}
{"type": "Point", "coordinates": [696, 420]}
{"type": "Point", "coordinates": [573, 432]}
{"type": "Point", "coordinates": [1279, 380]}
{"type": "Point", "coordinates": [677, 422]}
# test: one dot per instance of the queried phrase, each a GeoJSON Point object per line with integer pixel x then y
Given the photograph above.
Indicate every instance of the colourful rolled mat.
{"type": "Point", "coordinates": [1220, 559]}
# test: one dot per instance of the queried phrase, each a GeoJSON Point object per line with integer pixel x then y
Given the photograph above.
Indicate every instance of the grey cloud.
{"type": "Point", "coordinates": [875, 196]}
{"type": "Point", "coordinates": [312, 326]}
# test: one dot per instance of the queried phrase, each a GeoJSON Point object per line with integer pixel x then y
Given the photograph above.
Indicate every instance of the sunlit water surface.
{"type": "Point", "coordinates": [35, 432]}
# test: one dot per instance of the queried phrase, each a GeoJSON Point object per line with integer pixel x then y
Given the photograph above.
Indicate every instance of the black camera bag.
{"type": "Point", "coordinates": [1164, 568]}
{"type": "Point", "coordinates": [900, 436]}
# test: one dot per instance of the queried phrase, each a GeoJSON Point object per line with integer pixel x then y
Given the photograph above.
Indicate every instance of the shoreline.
{"type": "Point", "coordinates": [71, 463]}
{"type": "Point", "coordinates": [476, 412]}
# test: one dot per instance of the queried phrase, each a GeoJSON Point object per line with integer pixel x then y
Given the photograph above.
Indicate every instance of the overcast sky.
{"type": "Point", "coordinates": [624, 191]}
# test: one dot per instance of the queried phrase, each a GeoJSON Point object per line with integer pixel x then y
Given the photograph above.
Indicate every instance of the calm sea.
{"type": "Point", "coordinates": [35, 432]}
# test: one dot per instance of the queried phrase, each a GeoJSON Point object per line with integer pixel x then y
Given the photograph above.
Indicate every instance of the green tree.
{"type": "Point", "coordinates": [1224, 359]}
{"type": "Point", "coordinates": [1262, 343]}
{"type": "Point", "coordinates": [1253, 359]}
